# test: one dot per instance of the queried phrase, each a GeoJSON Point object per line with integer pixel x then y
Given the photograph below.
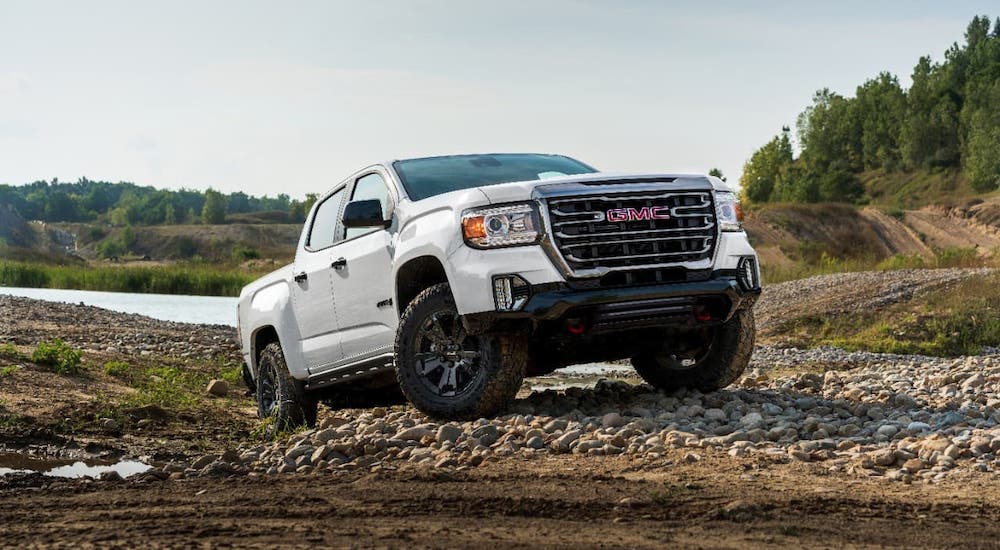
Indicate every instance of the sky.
{"type": "Point", "coordinates": [291, 97]}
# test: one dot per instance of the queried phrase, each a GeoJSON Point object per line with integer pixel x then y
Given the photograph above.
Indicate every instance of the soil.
{"type": "Point", "coordinates": [553, 502]}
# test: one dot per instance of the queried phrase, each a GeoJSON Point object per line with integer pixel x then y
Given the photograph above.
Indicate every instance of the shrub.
{"type": "Point", "coordinates": [60, 357]}
{"type": "Point", "coordinates": [242, 253]}
{"type": "Point", "coordinates": [117, 369]}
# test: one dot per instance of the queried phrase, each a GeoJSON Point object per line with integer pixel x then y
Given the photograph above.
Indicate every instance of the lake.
{"type": "Point", "coordinates": [168, 307]}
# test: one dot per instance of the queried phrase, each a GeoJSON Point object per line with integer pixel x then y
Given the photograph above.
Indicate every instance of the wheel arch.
{"type": "Point", "coordinates": [416, 275]}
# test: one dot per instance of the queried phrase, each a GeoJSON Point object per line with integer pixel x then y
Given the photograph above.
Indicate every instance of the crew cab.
{"type": "Point", "coordinates": [453, 278]}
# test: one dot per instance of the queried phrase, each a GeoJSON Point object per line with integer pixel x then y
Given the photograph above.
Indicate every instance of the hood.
{"type": "Point", "coordinates": [522, 190]}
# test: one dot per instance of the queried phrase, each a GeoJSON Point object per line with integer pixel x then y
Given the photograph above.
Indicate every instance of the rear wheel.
{"type": "Point", "coordinates": [448, 373]}
{"type": "Point", "coordinates": [279, 396]}
{"type": "Point", "coordinates": [706, 359]}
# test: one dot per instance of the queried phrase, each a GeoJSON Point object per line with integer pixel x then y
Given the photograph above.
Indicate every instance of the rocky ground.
{"type": "Point", "coordinates": [806, 442]}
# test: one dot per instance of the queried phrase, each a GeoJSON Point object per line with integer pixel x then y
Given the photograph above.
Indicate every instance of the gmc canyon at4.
{"type": "Point", "coordinates": [455, 277]}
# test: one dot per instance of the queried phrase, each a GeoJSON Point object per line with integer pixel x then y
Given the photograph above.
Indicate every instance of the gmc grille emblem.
{"type": "Point", "coordinates": [635, 214]}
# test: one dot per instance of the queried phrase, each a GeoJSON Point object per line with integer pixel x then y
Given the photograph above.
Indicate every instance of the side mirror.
{"type": "Point", "coordinates": [366, 213]}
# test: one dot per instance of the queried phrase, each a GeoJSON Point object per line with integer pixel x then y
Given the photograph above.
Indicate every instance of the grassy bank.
{"type": "Point", "coordinates": [825, 265]}
{"type": "Point", "coordinates": [191, 279]}
{"type": "Point", "coordinates": [953, 321]}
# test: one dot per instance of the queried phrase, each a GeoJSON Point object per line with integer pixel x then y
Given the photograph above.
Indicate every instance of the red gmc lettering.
{"type": "Point", "coordinates": [644, 213]}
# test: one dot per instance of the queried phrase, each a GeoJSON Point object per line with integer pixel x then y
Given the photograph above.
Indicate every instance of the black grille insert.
{"type": "Point", "coordinates": [622, 231]}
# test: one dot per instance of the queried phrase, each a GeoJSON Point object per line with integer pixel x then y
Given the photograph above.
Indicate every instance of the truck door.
{"type": "Point", "coordinates": [362, 281]}
{"type": "Point", "coordinates": [312, 289]}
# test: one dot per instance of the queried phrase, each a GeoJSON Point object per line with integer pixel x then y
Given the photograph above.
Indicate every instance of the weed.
{"type": "Point", "coordinates": [790, 530]}
{"type": "Point", "coordinates": [118, 369]}
{"type": "Point", "coordinates": [8, 370]}
{"type": "Point", "coordinates": [11, 353]}
{"type": "Point", "coordinates": [57, 355]}
{"type": "Point", "coordinates": [168, 387]}
{"type": "Point", "coordinates": [666, 496]}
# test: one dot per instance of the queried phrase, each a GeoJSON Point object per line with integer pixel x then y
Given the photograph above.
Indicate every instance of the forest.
{"type": "Point", "coordinates": [948, 120]}
{"type": "Point", "coordinates": [126, 204]}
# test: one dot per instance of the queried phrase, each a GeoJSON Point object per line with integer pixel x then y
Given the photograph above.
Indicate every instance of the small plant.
{"type": "Point", "coordinates": [117, 369]}
{"type": "Point", "coordinates": [8, 370]}
{"type": "Point", "coordinates": [666, 496]}
{"type": "Point", "coordinates": [242, 253]}
{"type": "Point", "coordinates": [9, 352]}
{"type": "Point", "coordinates": [59, 356]}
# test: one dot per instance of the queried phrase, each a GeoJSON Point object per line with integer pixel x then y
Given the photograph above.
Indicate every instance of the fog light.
{"type": "Point", "coordinates": [510, 292]}
{"type": "Point", "coordinates": [747, 273]}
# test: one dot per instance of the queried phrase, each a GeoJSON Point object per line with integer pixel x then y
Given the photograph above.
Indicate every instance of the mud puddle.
{"type": "Point", "coordinates": [20, 463]}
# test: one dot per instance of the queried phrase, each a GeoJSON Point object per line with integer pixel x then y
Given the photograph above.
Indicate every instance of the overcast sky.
{"type": "Point", "coordinates": [289, 97]}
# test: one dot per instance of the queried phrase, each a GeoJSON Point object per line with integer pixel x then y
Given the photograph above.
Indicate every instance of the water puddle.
{"type": "Point", "coordinates": [17, 463]}
{"type": "Point", "coordinates": [580, 376]}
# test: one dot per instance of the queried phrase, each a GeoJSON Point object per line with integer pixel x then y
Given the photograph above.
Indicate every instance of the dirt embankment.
{"type": "Point", "coordinates": [788, 233]}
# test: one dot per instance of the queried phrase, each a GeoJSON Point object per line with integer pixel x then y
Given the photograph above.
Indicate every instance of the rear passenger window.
{"type": "Point", "coordinates": [323, 232]}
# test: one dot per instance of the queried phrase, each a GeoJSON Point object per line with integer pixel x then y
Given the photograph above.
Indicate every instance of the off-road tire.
{"type": "Point", "coordinates": [292, 407]}
{"type": "Point", "coordinates": [503, 362]}
{"type": "Point", "coordinates": [731, 347]}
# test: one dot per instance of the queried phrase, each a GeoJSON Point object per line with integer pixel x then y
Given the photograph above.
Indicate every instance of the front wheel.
{"type": "Point", "coordinates": [705, 360]}
{"type": "Point", "coordinates": [448, 373]}
{"type": "Point", "coordinates": [279, 396]}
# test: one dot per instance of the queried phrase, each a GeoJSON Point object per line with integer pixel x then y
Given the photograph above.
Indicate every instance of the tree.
{"type": "Point", "coordinates": [715, 172]}
{"type": "Point", "coordinates": [881, 108]}
{"type": "Point", "coordinates": [214, 211]}
{"type": "Point", "coordinates": [169, 214]}
{"type": "Point", "coordinates": [982, 157]}
{"type": "Point", "coordinates": [763, 172]}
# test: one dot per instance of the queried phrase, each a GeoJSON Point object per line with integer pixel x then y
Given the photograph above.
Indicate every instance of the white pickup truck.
{"type": "Point", "coordinates": [453, 278]}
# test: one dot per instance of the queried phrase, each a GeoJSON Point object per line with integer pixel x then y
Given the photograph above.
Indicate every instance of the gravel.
{"type": "Point", "coordinates": [898, 418]}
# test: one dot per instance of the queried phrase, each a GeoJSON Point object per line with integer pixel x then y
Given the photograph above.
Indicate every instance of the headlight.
{"type": "Point", "coordinates": [497, 226]}
{"type": "Point", "coordinates": [728, 211]}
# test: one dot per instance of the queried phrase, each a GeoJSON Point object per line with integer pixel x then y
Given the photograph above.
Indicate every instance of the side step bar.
{"type": "Point", "coordinates": [348, 373]}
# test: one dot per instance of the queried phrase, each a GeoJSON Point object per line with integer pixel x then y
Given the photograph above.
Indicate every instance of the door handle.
{"type": "Point", "coordinates": [339, 263]}
{"type": "Point", "coordinates": [301, 277]}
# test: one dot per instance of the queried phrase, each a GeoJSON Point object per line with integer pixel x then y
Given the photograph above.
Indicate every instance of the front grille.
{"type": "Point", "coordinates": [588, 239]}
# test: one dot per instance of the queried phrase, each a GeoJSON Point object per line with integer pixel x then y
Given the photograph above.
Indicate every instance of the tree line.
{"type": "Point", "coordinates": [125, 203]}
{"type": "Point", "coordinates": [949, 119]}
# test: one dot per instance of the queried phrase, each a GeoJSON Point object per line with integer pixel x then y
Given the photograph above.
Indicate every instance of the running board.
{"type": "Point", "coordinates": [348, 373]}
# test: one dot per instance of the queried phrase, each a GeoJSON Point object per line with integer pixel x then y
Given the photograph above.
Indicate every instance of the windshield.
{"type": "Point", "coordinates": [427, 177]}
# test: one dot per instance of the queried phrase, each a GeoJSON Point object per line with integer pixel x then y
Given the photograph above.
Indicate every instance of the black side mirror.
{"type": "Point", "coordinates": [366, 213]}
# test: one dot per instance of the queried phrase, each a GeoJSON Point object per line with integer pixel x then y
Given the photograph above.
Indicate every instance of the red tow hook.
{"type": "Point", "coordinates": [575, 327]}
{"type": "Point", "coordinates": [702, 314]}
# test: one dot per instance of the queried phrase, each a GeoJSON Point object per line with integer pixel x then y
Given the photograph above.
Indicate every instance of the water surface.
{"type": "Point", "coordinates": [216, 310]}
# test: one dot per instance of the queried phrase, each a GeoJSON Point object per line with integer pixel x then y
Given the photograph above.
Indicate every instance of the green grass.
{"type": "Point", "coordinates": [947, 322]}
{"type": "Point", "coordinates": [8, 370]}
{"type": "Point", "coordinates": [178, 279]}
{"type": "Point", "coordinates": [168, 387]}
{"type": "Point", "coordinates": [118, 369]}
{"type": "Point", "coordinates": [58, 356]}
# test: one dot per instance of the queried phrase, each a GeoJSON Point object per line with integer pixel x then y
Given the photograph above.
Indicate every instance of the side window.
{"type": "Point", "coordinates": [323, 232]}
{"type": "Point", "coordinates": [369, 187]}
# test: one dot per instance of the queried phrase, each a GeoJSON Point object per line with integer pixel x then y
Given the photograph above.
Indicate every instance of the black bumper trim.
{"type": "Point", "coordinates": [550, 302]}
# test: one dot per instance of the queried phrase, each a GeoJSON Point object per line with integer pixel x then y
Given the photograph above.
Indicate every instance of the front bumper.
{"type": "Point", "coordinates": [711, 301]}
